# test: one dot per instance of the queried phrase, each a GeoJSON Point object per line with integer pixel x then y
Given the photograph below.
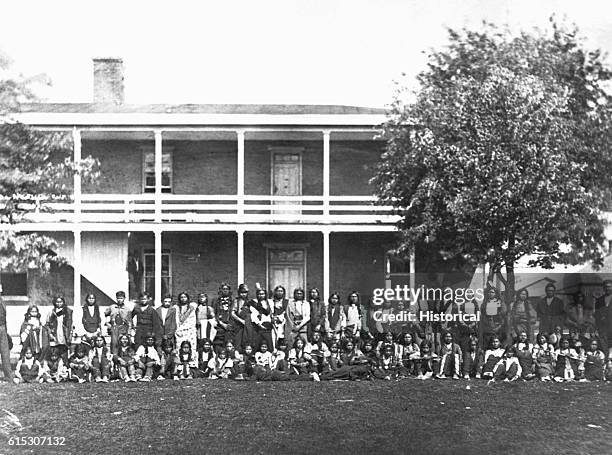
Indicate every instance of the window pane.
{"type": "Point", "coordinates": [14, 283]}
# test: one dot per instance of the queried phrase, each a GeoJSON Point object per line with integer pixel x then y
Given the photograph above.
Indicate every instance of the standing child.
{"type": "Point", "coordinates": [185, 361]}
{"type": "Point", "coordinates": [92, 322]}
{"type": "Point", "coordinates": [79, 364]}
{"type": "Point", "coordinates": [147, 321]}
{"type": "Point", "coordinates": [335, 321]}
{"type": "Point", "coordinates": [594, 362]}
{"type": "Point", "coordinates": [53, 368]}
{"type": "Point", "coordinates": [28, 368]}
{"type": "Point", "coordinates": [31, 332]}
{"type": "Point", "coordinates": [167, 317]}
{"type": "Point", "coordinates": [279, 308]}
{"type": "Point", "coordinates": [119, 320]}
{"type": "Point", "coordinates": [205, 320]}
{"type": "Point", "coordinates": [147, 359]}
{"type": "Point", "coordinates": [100, 358]}
{"type": "Point", "coordinates": [450, 354]}
{"type": "Point", "coordinates": [125, 359]}
{"type": "Point", "coordinates": [543, 358]}
{"type": "Point", "coordinates": [353, 315]}
{"type": "Point", "coordinates": [493, 360]}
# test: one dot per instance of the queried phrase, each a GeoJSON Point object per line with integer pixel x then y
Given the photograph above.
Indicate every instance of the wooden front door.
{"type": "Point", "coordinates": [287, 267]}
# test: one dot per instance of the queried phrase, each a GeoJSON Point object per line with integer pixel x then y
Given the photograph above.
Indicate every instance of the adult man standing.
{"type": "Point", "coordinates": [603, 316]}
{"type": "Point", "coordinates": [550, 311]}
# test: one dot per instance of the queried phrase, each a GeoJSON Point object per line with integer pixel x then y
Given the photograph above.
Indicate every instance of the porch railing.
{"type": "Point", "coordinates": [135, 208]}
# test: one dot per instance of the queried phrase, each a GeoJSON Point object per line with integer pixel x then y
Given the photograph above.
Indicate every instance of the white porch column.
{"type": "Point", "coordinates": [77, 309]}
{"type": "Point", "coordinates": [158, 175]}
{"type": "Point", "coordinates": [240, 274]}
{"type": "Point", "coordinates": [240, 173]}
{"type": "Point", "coordinates": [158, 265]}
{"type": "Point", "coordinates": [76, 185]}
{"type": "Point", "coordinates": [326, 234]}
{"type": "Point", "coordinates": [412, 268]}
{"type": "Point", "coordinates": [326, 172]}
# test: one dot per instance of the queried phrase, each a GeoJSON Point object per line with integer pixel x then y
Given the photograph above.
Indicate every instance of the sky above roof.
{"type": "Point", "coordinates": [285, 51]}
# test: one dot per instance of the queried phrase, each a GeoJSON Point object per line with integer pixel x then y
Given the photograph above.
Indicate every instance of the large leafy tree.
{"type": "Point", "coordinates": [35, 167]}
{"type": "Point", "coordinates": [505, 150]}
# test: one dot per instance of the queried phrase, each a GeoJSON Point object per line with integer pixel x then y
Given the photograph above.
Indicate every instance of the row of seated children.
{"type": "Point", "coordinates": [351, 359]}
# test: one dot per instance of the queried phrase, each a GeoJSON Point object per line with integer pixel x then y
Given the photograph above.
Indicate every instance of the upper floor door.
{"type": "Point", "coordinates": [286, 177]}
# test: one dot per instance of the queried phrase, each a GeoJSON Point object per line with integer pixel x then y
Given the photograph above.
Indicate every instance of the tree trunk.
{"type": "Point", "coordinates": [509, 298]}
{"type": "Point", "coordinates": [5, 352]}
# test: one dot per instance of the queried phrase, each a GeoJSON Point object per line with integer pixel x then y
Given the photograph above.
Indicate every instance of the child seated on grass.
{"type": "Point", "coordinates": [80, 367]}
{"type": "Point", "coordinates": [472, 360]}
{"type": "Point", "coordinates": [100, 359]}
{"type": "Point", "coordinates": [185, 362]}
{"type": "Point", "coordinates": [543, 358]}
{"type": "Point", "coordinates": [594, 362]}
{"type": "Point", "coordinates": [427, 362]}
{"type": "Point", "coordinates": [450, 358]}
{"type": "Point", "coordinates": [53, 367]}
{"type": "Point", "coordinates": [388, 365]}
{"type": "Point", "coordinates": [28, 368]}
{"type": "Point", "coordinates": [125, 359]}
{"type": "Point", "coordinates": [221, 367]}
{"type": "Point", "coordinates": [565, 361]}
{"type": "Point", "coordinates": [168, 360]}
{"type": "Point", "coordinates": [147, 359]}
{"type": "Point", "coordinates": [512, 366]}
{"type": "Point", "coordinates": [205, 355]}
{"type": "Point", "coordinates": [493, 360]}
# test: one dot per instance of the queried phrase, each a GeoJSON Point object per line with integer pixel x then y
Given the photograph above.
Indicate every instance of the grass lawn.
{"type": "Point", "coordinates": [410, 416]}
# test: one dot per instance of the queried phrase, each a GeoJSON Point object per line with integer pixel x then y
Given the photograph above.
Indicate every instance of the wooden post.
{"type": "Point", "coordinates": [240, 173]}
{"type": "Point", "coordinates": [77, 309]}
{"type": "Point", "coordinates": [326, 172]}
{"type": "Point", "coordinates": [76, 185]}
{"type": "Point", "coordinates": [158, 265]}
{"type": "Point", "coordinates": [158, 176]}
{"type": "Point", "coordinates": [240, 258]}
{"type": "Point", "coordinates": [326, 275]}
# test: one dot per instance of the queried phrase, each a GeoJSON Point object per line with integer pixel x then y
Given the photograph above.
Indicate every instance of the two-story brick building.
{"type": "Point", "coordinates": [194, 195]}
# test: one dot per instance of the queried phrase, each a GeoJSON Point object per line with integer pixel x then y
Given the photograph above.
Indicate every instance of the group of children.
{"type": "Point", "coordinates": [317, 359]}
{"type": "Point", "coordinates": [272, 338]}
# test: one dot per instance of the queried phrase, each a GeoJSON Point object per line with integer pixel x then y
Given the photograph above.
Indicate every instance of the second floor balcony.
{"type": "Point", "coordinates": [242, 176]}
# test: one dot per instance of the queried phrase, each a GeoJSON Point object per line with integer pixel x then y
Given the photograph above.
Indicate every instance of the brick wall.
{"type": "Point", "coordinates": [357, 262]}
{"type": "Point", "coordinates": [200, 260]}
{"type": "Point", "coordinates": [120, 166]}
{"type": "Point", "coordinates": [352, 165]}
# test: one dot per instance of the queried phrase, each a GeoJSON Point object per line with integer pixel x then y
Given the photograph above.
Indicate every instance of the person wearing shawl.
{"type": "Point", "coordinates": [186, 321]}
{"type": "Point", "coordinates": [59, 325]}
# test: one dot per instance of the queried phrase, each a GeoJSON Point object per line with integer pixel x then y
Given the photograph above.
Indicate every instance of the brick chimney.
{"type": "Point", "coordinates": [108, 80]}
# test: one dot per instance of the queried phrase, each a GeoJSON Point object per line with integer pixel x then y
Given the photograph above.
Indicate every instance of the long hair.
{"type": "Point", "coordinates": [27, 313]}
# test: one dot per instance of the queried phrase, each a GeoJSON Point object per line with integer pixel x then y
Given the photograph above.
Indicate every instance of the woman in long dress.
{"type": "Point", "coordinates": [279, 307]}
{"type": "Point", "coordinates": [186, 321]}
